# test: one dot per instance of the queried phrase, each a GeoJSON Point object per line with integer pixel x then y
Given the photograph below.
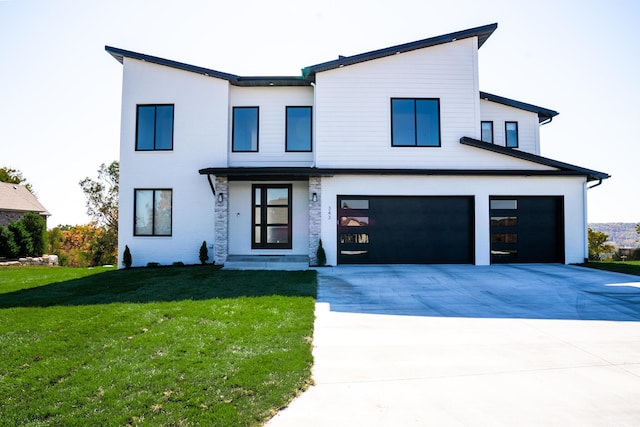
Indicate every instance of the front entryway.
{"type": "Point", "coordinates": [405, 230]}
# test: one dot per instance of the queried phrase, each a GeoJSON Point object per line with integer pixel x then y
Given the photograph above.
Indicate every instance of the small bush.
{"type": "Point", "coordinates": [204, 252]}
{"type": "Point", "coordinates": [126, 257]}
{"type": "Point", "coordinates": [178, 264]}
{"type": "Point", "coordinates": [321, 255]}
{"type": "Point", "coordinates": [36, 227]}
{"type": "Point", "coordinates": [22, 238]}
{"type": "Point", "coordinates": [153, 264]}
{"type": "Point", "coordinates": [635, 256]}
{"type": "Point", "coordinates": [8, 246]}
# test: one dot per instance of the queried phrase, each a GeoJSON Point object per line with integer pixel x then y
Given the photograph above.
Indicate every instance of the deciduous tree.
{"type": "Point", "coordinates": [597, 244]}
{"type": "Point", "coordinates": [13, 176]}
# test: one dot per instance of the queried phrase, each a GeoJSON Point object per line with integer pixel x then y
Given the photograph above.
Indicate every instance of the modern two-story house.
{"type": "Point", "coordinates": [389, 156]}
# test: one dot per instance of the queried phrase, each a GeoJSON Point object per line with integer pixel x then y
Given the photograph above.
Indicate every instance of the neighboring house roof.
{"type": "Point", "coordinates": [482, 33]}
{"type": "Point", "coordinates": [17, 198]}
{"type": "Point", "coordinates": [591, 175]}
{"type": "Point", "coordinates": [544, 114]}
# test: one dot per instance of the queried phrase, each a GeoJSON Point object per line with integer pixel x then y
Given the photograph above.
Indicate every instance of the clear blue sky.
{"type": "Point", "coordinates": [60, 91]}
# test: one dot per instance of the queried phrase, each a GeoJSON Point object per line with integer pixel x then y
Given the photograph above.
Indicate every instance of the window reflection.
{"type": "Point", "coordinates": [504, 238]}
{"type": "Point", "coordinates": [504, 221]}
{"type": "Point", "coordinates": [354, 221]}
{"type": "Point", "coordinates": [354, 204]}
{"type": "Point", "coordinates": [354, 238]}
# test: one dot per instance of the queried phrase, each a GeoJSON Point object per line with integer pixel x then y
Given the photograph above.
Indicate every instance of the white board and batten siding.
{"type": "Point", "coordinates": [528, 126]}
{"type": "Point", "coordinates": [272, 103]}
{"type": "Point", "coordinates": [199, 141]}
{"type": "Point", "coordinates": [353, 107]}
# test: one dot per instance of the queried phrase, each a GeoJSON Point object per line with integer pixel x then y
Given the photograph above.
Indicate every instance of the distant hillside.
{"type": "Point", "coordinates": [621, 234]}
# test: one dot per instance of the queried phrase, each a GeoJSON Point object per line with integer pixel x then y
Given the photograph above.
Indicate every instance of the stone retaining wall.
{"type": "Point", "coordinates": [49, 260]}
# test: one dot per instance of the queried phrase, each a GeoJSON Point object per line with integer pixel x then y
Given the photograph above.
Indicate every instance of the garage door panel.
{"type": "Point", "coordinates": [531, 232]}
{"type": "Point", "coordinates": [414, 230]}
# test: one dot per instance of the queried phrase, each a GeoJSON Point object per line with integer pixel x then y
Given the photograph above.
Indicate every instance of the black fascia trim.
{"type": "Point", "coordinates": [303, 173]}
{"type": "Point", "coordinates": [592, 175]}
{"type": "Point", "coordinates": [482, 33]}
{"type": "Point", "coordinates": [120, 54]}
{"type": "Point", "coordinates": [543, 113]}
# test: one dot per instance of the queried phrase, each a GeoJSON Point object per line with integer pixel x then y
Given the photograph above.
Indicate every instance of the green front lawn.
{"type": "Point", "coordinates": [154, 346]}
{"type": "Point", "coordinates": [628, 267]}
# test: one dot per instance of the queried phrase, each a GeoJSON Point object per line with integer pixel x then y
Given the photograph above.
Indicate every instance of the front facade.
{"type": "Point", "coordinates": [391, 156]}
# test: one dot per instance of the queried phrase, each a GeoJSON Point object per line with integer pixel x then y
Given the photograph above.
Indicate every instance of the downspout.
{"type": "Point", "coordinates": [595, 185]}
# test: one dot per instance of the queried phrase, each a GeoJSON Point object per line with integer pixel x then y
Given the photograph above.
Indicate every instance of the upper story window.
{"type": "Point", "coordinates": [154, 127]}
{"type": "Point", "coordinates": [511, 134]}
{"type": "Point", "coordinates": [245, 129]}
{"type": "Point", "coordinates": [298, 137]}
{"type": "Point", "coordinates": [152, 212]}
{"type": "Point", "coordinates": [415, 122]}
{"type": "Point", "coordinates": [486, 131]}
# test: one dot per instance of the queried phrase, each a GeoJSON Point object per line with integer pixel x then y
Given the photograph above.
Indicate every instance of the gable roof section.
{"type": "Point", "coordinates": [482, 33]}
{"type": "Point", "coordinates": [17, 198]}
{"type": "Point", "coordinates": [544, 114]}
{"type": "Point", "coordinates": [120, 54]}
{"type": "Point", "coordinates": [591, 175]}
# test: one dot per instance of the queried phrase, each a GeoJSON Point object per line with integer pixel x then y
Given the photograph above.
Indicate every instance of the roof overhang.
{"type": "Point", "coordinates": [120, 54]}
{"type": "Point", "coordinates": [544, 114]}
{"type": "Point", "coordinates": [563, 168]}
{"type": "Point", "coordinates": [482, 33]}
{"type": "Point", "coordinates": [303, 173]}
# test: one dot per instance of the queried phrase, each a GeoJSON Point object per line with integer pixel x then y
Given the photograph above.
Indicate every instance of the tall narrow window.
{"type": "Point", "coordinates": [298, 136]}
{"type": "Point", "coordinates": [415, 122]}
{"type": "Point", "coordinates": [486, 129]}
{"type": "Point", "coordinates": [245, 129]}
{"type": "Point", "coordinates": [152, 212]}
{"type": "Point", "coordinates": [511, 134]}
{"type": "Point", "coordinates": [271, 216]}
{"type": "Point", "coordinates": [154, 127]}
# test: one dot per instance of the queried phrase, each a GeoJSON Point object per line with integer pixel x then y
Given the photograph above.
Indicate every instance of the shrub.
{"type": "Point", "coordinates": [635, 256]}
{"type": "Point", "coordinates": [126, 257]}
{"type": "Point", "coordinates": [8, 246]}
{"type": "Point", "coordinates": [204, 252]}
{"type": "Point", "coordinates": [153, 264]}
{"type": "Point", "coordinates": [321, 255]}
{"type": "Point", "coordinates": [178, 264]}
{"type": "Point", "coordinates": [36, 227]}
{"type": "Point", "coordinates": [22, 238]}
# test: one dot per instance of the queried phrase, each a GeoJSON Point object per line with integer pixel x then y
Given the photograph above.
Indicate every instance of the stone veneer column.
{"type": "Point", "coordinates": [221, 248]}
{"type": "Point", "coordinates": [315, 217]}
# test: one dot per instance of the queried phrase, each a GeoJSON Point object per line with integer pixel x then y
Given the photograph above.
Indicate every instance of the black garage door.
{"type": "Point", "coordinates": [405, 230]}
{"type": "Point", "coordinates": [527, 229]}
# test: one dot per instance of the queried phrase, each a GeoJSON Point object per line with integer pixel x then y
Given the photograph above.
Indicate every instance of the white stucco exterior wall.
{"type": "Point", "coordinates": [199, 141]}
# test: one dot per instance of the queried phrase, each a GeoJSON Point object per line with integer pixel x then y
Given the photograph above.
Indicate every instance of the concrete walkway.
{"type": "Point", "coordinates": [524, 345]}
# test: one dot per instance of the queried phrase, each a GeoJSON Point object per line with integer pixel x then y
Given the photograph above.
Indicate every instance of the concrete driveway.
{"type": "Point", "coordinates": [502, 345]}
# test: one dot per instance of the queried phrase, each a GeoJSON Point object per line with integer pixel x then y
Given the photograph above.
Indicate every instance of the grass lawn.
{"type": "Point", "coordinates": [153, 346]}
{"type": "Point", "coordinates": [628, 267]}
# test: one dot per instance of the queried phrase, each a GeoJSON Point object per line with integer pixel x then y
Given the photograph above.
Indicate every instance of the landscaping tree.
{"type": "Point", "coordinates": [597, 244]}
{"type": "Point", "coordinates": [126, 257]}
{"type": "Point", "coordinates": [204, 253]}
{"type": "Point", "coordinates": [13, 176]}
{"type": "Point", "coordinates": [321, 255]}
{"type": "Point", "coordinates": [102, 207]}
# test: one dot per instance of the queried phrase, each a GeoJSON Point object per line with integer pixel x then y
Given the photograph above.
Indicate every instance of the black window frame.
{"type": "Point", "coordinates": [153, 218]}
{"type": "Point", "coordinates": [233, 129]}
{"type": "Point", "coordinates": [415, 100]}
{"type": "Point", "coordinates": [492, 134]}
{"type": "Point", "coordinates": [263, 217]}
{"type": "Point", "coordinates": [286, 143]}
{"type": "Point", "coordinates": [155, 121]}
{"type": "Point", "coordinates": [506, 137]}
